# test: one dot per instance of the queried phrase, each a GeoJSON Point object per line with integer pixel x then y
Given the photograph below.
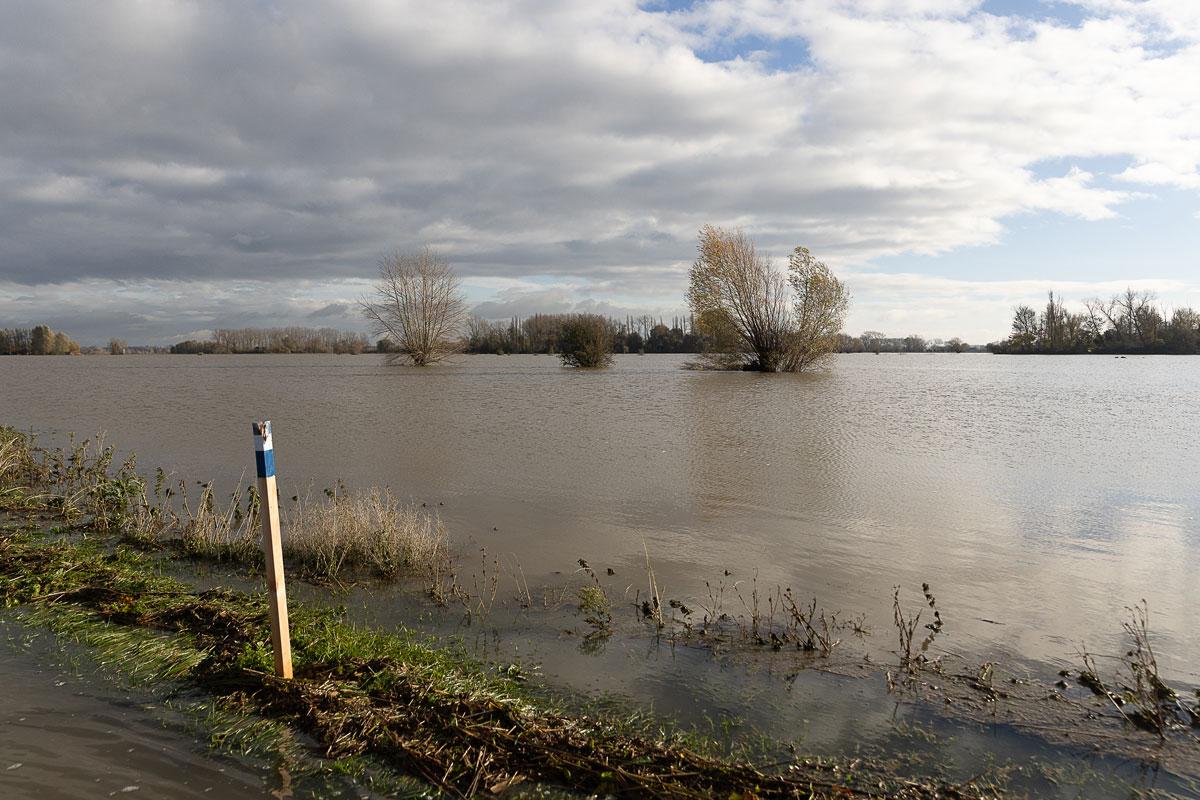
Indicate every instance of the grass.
{"type": "Point", "coordinates": [391, 698]}
{"type": "Point", "coordinates": [362, 532]}
{"type": "Point", "coordinates": [365, 530]}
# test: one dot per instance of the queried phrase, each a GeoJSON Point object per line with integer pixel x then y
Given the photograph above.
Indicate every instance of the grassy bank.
{"type": "Point", "coordinates": [391, 699]}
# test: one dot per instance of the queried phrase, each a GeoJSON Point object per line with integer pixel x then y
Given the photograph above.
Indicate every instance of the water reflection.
{"type": "Point", "coordinates": [1044, 494]}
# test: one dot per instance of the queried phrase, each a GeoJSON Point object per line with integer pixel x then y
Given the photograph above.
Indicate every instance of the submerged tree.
{"type": "Point", "coordinates": [819, 310]}
{"type": "Point", "coordinates": [754, 317]}
{"type": "Point", "coordinates": [418, 307]}
{"type": "Point", "coordinates": [586, 340]}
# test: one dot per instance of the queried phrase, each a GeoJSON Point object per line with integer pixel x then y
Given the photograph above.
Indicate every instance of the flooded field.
{"type": "Point", "coordinates": [1037, 496]}
{"type": "Point", "coordinates": [69, 733]}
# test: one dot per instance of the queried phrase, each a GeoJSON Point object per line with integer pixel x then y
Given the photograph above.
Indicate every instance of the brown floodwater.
{"type": "Point", "coordinates": [1039, 496]}
{"type": "Point", "coordinates": [65, 732]}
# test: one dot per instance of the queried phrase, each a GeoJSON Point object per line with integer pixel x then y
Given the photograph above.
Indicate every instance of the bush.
{"type": "Point", "coordinates": [586, 341]}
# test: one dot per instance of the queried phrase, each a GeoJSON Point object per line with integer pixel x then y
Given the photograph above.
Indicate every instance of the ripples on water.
{"type": "Point", "coordinates": [64, 736]}
{"type": "Point", "coordinates": [1044, 493]}
{"type": "Point", "coordinates": [1041, 493]}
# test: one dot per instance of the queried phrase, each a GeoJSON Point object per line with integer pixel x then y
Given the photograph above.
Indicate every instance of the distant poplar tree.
{"type": "Point", "coordinates": [41, 341]}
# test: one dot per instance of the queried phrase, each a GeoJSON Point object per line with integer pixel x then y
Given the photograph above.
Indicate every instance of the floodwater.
{"type": "Point", "coordinates": [1038, 496]}
{"type": "Point", "coordinates": [67, 734]}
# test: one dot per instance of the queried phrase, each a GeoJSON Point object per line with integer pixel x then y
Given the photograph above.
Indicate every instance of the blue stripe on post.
{"type": "Point", "coordinates": [264, 450]}
{"type": "Point", "coordinates": [265, 461]}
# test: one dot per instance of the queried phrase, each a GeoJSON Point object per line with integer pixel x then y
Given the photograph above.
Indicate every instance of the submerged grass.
{"type": "Point", "coordinates": [390, 699]}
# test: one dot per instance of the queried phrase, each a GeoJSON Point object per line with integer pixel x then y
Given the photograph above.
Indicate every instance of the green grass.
{"type": "Point", "coordinates": [389, 704]}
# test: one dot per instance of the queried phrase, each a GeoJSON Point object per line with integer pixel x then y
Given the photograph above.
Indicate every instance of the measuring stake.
{"type": "Point", "coordinates": [264, 456]}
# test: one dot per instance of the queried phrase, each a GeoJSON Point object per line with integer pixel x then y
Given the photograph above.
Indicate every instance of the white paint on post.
{"type": "Point", "coordinates": [264, 457]}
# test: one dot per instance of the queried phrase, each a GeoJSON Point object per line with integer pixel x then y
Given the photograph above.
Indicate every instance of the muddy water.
{"type": "Point", "coordinates": [1038, 496]}
{"type": "Point", "coordinates": [67, 734]}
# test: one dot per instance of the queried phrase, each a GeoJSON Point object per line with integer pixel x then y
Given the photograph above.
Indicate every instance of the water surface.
{"type": "Point", "coordinates": [1038, 496]}
{"type": "Point", "coordinates": [1041, 493]}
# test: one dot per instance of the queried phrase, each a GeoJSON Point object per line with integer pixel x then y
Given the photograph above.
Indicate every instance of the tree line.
{"type": "Point", "coordinates": [543, 333]}
{"type": "Point", "coordinates": [39, 340]}
{"type": "Point", "coordinates": [276, 340]}
{"type": "Point", "coordinates": [743, 314]}
{"type": "Point", "coordinates": [878, 342]}
{"type": "Point", "coordinates": [1125, 323]}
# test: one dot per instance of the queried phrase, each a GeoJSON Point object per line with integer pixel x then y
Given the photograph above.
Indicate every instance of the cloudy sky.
{"type": "Point", "coordinates": [170, 167]}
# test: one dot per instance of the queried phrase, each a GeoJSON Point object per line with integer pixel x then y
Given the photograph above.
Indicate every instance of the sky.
{"type": "Point", "coordinates": [170, 167]}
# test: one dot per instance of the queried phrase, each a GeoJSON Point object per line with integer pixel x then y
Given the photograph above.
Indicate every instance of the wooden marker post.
{"type": "Point", "coordinates": [264, 457]}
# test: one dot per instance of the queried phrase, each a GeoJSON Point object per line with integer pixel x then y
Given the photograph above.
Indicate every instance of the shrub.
{"type": "Point", "coordinates": [586, 341]}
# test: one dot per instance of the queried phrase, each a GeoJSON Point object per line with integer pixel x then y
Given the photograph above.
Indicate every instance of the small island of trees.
{"type": "Point", "coordinates": [39, 340]}
{"type": "Point", "coordinates": [1126, 323]}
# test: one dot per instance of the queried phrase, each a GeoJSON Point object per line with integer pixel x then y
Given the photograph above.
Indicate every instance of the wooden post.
{"type": "Point", "coordinates": [264, 456]}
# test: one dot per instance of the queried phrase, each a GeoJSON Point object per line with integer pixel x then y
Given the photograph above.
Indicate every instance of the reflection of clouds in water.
{"type": "Point", "coordinates": [1042, 493]}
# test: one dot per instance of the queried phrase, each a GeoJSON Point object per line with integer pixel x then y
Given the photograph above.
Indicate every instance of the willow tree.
{"type": "Point", "coordinates": [586, 341]}
{"type": "Point", "coordinates": [820, 303]}
{"type": "Point", "coordinates": [756, 318]}
{"type": "Point", "coordinates": [418, 307]}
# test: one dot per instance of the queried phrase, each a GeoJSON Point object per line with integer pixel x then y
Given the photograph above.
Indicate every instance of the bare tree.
{"type": "Point", "coordinates": [755, 317]}
{"type": "Point", "coordinates": [418, 306]}
{"type": "Point", "coordinates": [117, 347]}
{"type": "Point", "coordinates": [873, 341]}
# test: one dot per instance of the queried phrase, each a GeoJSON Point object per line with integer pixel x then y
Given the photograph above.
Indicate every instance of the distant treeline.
{"type": "Point", "coordinates": [36, 341]}
{"type": "Point", "coordinates": [543, 333]}
{"type": "Point", "coordinates": [277, 340]}
{"type": "Point", "coordinates": [877, 342]}
{"type": "Point", "coordinates": [1129, 322]}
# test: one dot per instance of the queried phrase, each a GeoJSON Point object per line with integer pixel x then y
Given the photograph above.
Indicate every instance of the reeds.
{"type": "Point", "coordinates": [368, 531]}
{"type": "Point", "coordinates": [226, 532]}
{"type": "Point", "coordinates": [771, 617]}
{"type": "Point", "coordinates": [595, 605]}
{"type": "Point", "coordinates": [914, 658]}
{"type": "Point", "coordinates": [12, 454]}
{"type": "Point", "coordinates": [1140, 695]}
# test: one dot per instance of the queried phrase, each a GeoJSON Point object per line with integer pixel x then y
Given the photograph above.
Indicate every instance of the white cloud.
{"type": "Point", "coordinates": [582, 143]}
{"type": "Point", "coordinates": [979, 311]}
